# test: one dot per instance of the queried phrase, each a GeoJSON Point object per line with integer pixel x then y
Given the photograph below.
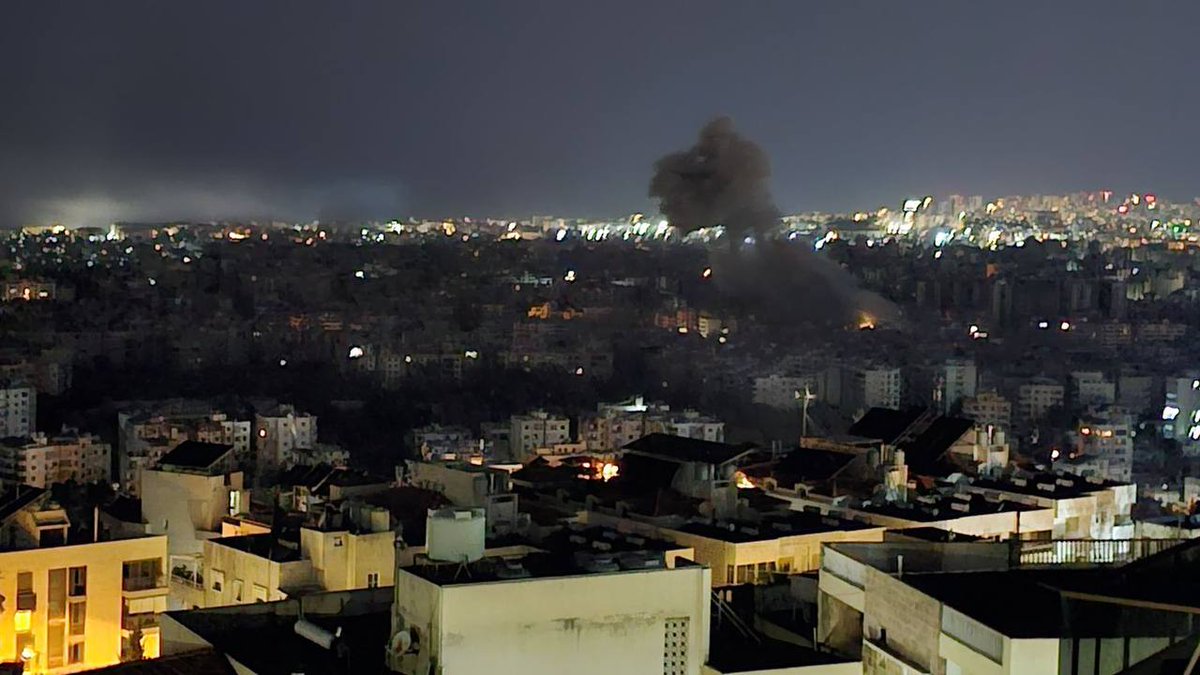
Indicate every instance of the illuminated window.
{"type": "Point", "coordinates": [22, 620]}
{"type": "Point", "coordinates": [75, 653]}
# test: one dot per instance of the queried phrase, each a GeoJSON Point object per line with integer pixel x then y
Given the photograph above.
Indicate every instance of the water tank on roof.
{"type": "Point", "coordinates": [455, 535]}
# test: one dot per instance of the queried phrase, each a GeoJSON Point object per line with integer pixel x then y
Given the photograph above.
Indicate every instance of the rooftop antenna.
{"type": "Point", "coordinates": [805, 398]}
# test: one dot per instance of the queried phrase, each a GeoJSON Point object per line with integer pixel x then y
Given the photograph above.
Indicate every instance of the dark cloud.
{"type": "Point", "coordinates": [527, 106]}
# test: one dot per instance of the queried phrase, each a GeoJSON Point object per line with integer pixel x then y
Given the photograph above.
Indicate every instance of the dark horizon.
{"type": "Point", "coordinates": [134, 110]}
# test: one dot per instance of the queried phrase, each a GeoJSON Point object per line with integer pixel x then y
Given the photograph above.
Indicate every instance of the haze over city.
{"type": "Point", "coordinates": [302, 110]}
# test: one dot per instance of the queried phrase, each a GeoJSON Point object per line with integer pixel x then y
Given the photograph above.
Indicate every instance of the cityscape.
{"type": "Point", "coordinates": [718, 430]}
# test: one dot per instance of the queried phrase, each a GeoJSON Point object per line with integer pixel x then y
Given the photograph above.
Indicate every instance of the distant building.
{"type": "Point", "coordinates": [958, 380]}
{"type": "Point", "coordinates": [989, 408]}
{"type": "Point", "coordinates": [280, 430]}
{"type": "Point", "coordinates": [1036, 397]}
{"type": "Point", "coordinates": [18, 411]}
{"type": "Point", "coordinates": [1103, 447]}
{"type": "Point", "coordinates": [1091, 388]}
{"type": "Point", "coordinates": [42, 461]}
{"type": "Point", "coordinates": [536, 430]}
{"type": "Point", "coordinates": [779, 391]}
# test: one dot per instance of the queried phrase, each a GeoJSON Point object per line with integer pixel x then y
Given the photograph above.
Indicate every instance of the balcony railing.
{"type": "Point", "coordinates": [143, 583]}
{"type": "Point", "coordinates": [1089, 551]}
{"type": "Point", "coordinates": [187, 578]}
{"type": "Point", "coordinates": [132, 622]}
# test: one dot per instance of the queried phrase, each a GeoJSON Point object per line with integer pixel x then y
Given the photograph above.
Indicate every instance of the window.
{"type": "Point", "coordinates": [78, 581]}
{"type": "Point", "coordinates": [218, 580]}
{"type": "Point", "coordinates": [26, 599]}
{"type": "Point", "coordinates": [58, 594]}
{"type": "Point", "coordinates": [237, 590]}
{"type": "Point", "coordinates": [75, 653]}
{"type": "Point", "coordinates": [675, 650]}
{"type": "Point", "coordinates": [372, 579]}
{"type": "Point", "coordinates": [77, 614]}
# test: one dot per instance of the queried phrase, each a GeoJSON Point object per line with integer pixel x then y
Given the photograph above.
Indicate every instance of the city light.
{"type": "Point", "coordinates": [356, 352]}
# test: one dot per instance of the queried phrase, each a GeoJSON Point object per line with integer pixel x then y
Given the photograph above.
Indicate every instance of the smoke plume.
{"type": "Point", "coordinates": [724, 180]}
{"type": "Point", "coordinates": [721, 180]}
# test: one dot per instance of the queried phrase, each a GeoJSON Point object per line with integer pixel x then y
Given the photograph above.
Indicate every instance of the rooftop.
{"type": "Point", "coordinates": [541, 565]}
{"type": "Point", "coordinates": [795, 523]}
{"type": "Point", "coordinates": [267, 546]}
{"type": "Point", "coordinates": [17, 498]}
{"type": "Point", "coordinates": [240, 633]}
{"type": "Point", "coordinates": [884, 424]}
{"type": "Point", "coordinates": [196, 455]}
{"type": "Point", "coordinates": [683, 449]}
{"type": "Point", "coordinates": [1059, 485]}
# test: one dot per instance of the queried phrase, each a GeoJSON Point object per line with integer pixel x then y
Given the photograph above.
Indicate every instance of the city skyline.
{"type": "Point", "coordinates": [303, 112]}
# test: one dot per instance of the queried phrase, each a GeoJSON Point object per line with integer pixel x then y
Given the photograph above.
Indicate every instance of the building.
{"type": "Point", "coordinates": [144, 437]}
{"type": "Point", "coordinates": [871, 387]}
{"type": "Point", "coordinates": [1091, 388]}
{"type": "Point", "coordinates": [42, 461]}
{"type": "Point", "coordinates": [73, 601]}
{"type": "Point", "coordinates": [544, 612]}
{"type": "Point", "coordinates": [1181, 409]}
{"type": "Point", "coordinates": [780, 391]}
{"type": "Point", "coordinates": [18, 411]}
{"type": "Point", "coordinates": [187, 496]}
{"type": "Point", "coordinates": [1036, 397]}
{"type": "Point", "coordinates": [538, 429]}
{"type": "Point", "coordinates": [280, 430]}
{"type": "Point", "coordinates": [352, 546]}
{"type": "Point", "coordinates": [957, 380]}
{"type": "Point", "coordinates": [469, 486]}
{"type": "Point", "coordinates": [1103, 447]}
{"type": "Point", "coordinates": [979, 607]}
{"type": "Point", "coordinates": [989, 408]}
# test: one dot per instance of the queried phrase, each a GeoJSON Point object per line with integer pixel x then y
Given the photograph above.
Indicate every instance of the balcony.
{"type": "Point", "coordinates": [142, 622]}
{"type": "Point", "coordinates": [143, 586]}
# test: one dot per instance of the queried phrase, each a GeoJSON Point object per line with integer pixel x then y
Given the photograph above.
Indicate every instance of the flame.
{"type": "Point", "coordinates": [866, 322]}
{"type": "Point", "coordinates": [742, 481]}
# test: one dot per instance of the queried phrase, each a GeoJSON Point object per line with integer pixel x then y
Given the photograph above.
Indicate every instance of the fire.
{"type": "Point", "coordinates": [742, 481]}
{"type": "Point", "coordinates": [866, 322]}
{"type": "Point", "coordinates": [600, 470]}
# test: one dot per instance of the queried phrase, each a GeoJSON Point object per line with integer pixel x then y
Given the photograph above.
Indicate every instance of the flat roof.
{"type": "Point", "coordinates": [684, 449]}
{"type": "Point", "coordinates": [267, 643]}
{"type": "Point", "coordinates": [1078, 487]}
{"type": "Point", "coordinates": [793, 524]}
{"type": "Point", "coordinates": [537, 565]}
{"type": "Point", "coordinates": [1029, 604]}
{"type": "Point", "coordinates": [195, 455]}
{"type": "Point", "coordinates": [265, 545]}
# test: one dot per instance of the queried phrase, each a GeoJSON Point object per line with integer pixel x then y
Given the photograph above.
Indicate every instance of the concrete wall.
{"type": "Point", "coordinates": [597, 623]}
{"type": "Point", "coordinates": [251, 570]}
{"type": "Point", "coordinates": [909, 619]}
{"type": "Point", "coordinates": [180, 504]}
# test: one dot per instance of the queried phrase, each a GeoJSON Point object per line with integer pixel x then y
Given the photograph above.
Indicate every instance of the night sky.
{"type": "Point", "coordinates": [340, 109]}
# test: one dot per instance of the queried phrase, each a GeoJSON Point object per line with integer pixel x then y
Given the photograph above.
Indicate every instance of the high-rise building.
{"type": "Point", "coordinates": [18, 411]}
{"type": "Point", "coordinates": [959, 380]}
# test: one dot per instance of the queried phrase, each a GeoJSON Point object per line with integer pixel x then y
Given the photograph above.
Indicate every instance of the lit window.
{"type": "Point", "coordinates": [22, 620]}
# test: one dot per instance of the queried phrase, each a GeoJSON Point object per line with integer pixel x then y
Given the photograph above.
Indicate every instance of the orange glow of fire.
{"type": "Point", "coordinates": [742, 481]}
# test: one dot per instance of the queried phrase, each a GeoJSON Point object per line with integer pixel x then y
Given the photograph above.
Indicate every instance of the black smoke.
{"type": "Point", "coordinates": [724, 179]}
{"type": "Point", "coordinates": [721, 180]}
